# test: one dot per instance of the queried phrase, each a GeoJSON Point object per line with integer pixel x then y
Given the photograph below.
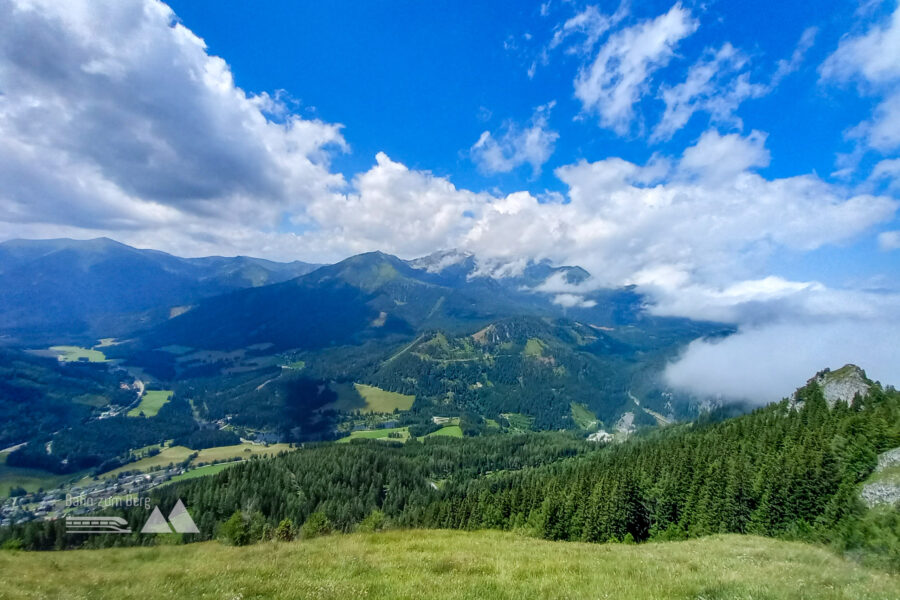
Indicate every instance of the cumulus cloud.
{"type": "Point", "coordinates": [114, 117]}
{"type": "Point", "coordinates": [872, 59]}
{"type": "Point", "coordinates": [516, 145]}
{"type": "Point", "coordinates": [766, 364]}
{"type": "Point", "coordinates": [718, 157]}
{"type": "Point", "coordinates": [619, 75]}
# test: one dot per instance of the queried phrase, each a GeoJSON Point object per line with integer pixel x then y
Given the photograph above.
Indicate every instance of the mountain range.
{"type": "Point", "coordinates": [69, 289]}
{"type": "Point", "coordinates": [295, 351]}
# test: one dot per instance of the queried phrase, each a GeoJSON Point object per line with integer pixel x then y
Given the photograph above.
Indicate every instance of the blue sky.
{"type": "Point", "coordinates": [421, 81]}
{"type": "Point", "coordinates": [735, 161]}
{"type": "Point", "coordinates": [413, 79]}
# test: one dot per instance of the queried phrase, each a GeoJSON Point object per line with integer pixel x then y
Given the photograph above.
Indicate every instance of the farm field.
{"type": "Point", "coordinates": [439, 564]}
{"type": "Point", "coordinates": [368, 399]}
{"type": "Point", "coordinates": [448, 431]}
{"type": "Point", "coordinates": [77, 353]}
{"type": "Point", "coordinates": [379, 400]}
{"type": "Point", "coordinates": [177, 454]}
{"type": "Point", "coordinates": [378, 434]}
{"type": "Point", "coordinates": [203, 471]}
{"type": "Point", "coordinates": [151, 402]}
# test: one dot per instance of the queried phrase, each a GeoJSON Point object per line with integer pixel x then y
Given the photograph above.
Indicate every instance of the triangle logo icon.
{"type": "Point", "coordinates": [181, 520]}
{"type": "Point", "coordinates": [156, 523]}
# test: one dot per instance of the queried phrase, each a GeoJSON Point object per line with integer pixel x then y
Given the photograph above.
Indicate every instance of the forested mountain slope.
{"type": "Point", "coordinates": [793, 469]}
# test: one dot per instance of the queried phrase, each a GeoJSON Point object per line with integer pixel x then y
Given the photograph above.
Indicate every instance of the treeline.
{"type": "Point", "coordinates": [789, 470]}
{"type": "Point", "coordinates": [784, 470]}
{"type": "Point", "coordinates": [343, 482]}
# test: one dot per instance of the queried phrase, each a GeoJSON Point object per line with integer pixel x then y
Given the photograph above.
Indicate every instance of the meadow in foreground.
{"type": "Point", "coordinates": [447, 564]}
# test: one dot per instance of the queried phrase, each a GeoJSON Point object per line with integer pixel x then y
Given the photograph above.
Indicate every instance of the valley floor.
{"type": "Point", "coordinates": [447, 564]}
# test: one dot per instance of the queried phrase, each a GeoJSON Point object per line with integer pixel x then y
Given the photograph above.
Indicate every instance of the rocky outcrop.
{"type": "Point", "coordinates": [880, 492]}
{"type": "Point", "coordinates": [841, 385]}
{"type": "Point", "coordinates": [885, 489]}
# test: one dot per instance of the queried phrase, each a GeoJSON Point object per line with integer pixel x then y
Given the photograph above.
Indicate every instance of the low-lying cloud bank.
{"type": "Point", "coordinates": [765, 364]}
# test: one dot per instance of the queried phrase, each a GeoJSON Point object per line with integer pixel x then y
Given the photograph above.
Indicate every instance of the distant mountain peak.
{"type": "Point", "coordinates": [437, 262]}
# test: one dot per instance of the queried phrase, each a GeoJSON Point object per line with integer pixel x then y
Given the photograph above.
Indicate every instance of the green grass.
{"type": "Point", "coordinates": [534, 347]}
{"type": "Point", "coordinates": [383, 401]}
{"type": "Point", "coordinates": [151, 402]}
{"type": "Point", "coordinates": [448, 565]}
{"type": "Point", "coordinates": [583, 417]}
{"type": "Point", "coordinates": [77, 353]}
{"type": "Point", "coordinates": [518, 422]}
{"type": "Point", "coordinates": [378, 434]}
{"type": "Point", "coordinates": [239, 451]}
{"type": "Point", "coordinates": [30, 479]}
{"type": "Point", "coordinates": [448, 431]}
{"type": "Point", "coordinates": [177, 454]}
{"type": "Point", "coordinates": [203, 471]}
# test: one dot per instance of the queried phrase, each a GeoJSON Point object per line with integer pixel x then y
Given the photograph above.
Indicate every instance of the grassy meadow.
{"type": "Point", "coordinates": [177, 454]}
{"type": "Point", "coordinates": [203, 471]}
{"type": "Point", "coordinates": [151, 402]}
{"type": "Point", "coordinates": [368, 399]}
{"type": "Point", "coordinates": [30, 479]}
{"type": "Point", "coordinates": [436, 564]}
{"type": "Point", "coordinates": [382, 401]}
{"type": "Point", "coordinates": [77, 353]}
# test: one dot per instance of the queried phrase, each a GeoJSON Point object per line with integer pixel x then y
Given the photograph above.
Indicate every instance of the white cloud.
{"type": "Point", "coordinates": [516, 145]}
{"type": "Point", "coordinates": [113, 117]}
{"type": "Point", "coordinates": [723, 157]}
{"type": "Point", "coordinates": [767, 363]}
{"type": "Point", "coordinates": [591, 24]}
{"type": "Point", "coordinates": [872, 59]}
{"type": "Point", "coordinates": [714, 85]}
{"type": "Point", "coordinates": [889, 240]}
{"type": "Point", "coordinates": [788, 66]}
{"type": "Point", "coordinates": [572, 300]}
{"type": "Point", "coordinates": [718, 84]}
{"type": "Point", "coordinates": [619, 75]}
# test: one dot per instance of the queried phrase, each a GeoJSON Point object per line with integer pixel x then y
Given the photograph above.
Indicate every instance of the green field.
{"type": "Point", "coordinates": [583, 417]}
{"type": "Point", "coordinates": [534, 347]}
{"type": "Point", "coordinates": [151, 402]}
{"type": "Point", "coordinates": [382, 401]}
{"type": "Point", "coordinates": [518, 422]}
{"type": "Point", "coordinates": [77, 353]}
{"type": "Point", "coordinates": [377, 434]}
{"type": "Point", "coordinates": [203, 471]}
{"type": "Point", "coordinates": [177, 454]}
{"type": "Point", "coordinates": [448, 565]}
{"type": "Point", "coordinates": [30, 479]}
{"type": "Point", "coordinates": [448, 431]}
{"type": "Point", "coordinates": [368, 399]}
